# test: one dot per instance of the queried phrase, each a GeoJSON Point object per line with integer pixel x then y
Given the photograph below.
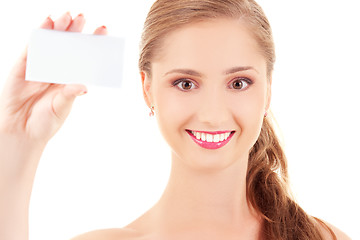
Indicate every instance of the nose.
{"type": "Point", "coordinates": [213, 109]}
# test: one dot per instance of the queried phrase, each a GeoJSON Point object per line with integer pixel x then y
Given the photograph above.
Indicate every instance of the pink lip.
{"type": "Point", "coordinates": [212, 145]}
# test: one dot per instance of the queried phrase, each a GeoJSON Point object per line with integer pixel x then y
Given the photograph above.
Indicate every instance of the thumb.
{"type": "Point", "coordinates": [63, 101]}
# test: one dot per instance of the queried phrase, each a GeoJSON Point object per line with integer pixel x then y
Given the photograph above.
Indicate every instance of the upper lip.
{"type": "Point", "coordinates": [211, 132]}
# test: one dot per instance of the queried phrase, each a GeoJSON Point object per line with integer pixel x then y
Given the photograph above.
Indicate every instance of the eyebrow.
{"type": "Point", "coordinates": [239, 69]}
{"type": "Point", "coordinates": [197, 74]}
{"type": "Point", "coordinates": [184, 71]}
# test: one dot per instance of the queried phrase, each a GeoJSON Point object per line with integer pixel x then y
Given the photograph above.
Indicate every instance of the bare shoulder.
{"type": "Point", "coordinates": [324, 227]}
{"type": "Point", "coordinates": [109, 234]}
{"type": "Point", "coordinates": [340, 235]}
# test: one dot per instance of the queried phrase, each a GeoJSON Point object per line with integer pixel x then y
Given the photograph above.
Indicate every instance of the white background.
{"type": "Point", "coordinates": [108, 164]}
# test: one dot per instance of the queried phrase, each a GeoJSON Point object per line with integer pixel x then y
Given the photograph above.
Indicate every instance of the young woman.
{"type": "Point", "coordinates": [206, 70]}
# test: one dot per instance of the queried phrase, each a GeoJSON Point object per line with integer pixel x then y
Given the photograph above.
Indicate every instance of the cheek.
{"type": "Point", "coordinates": [172, 104]}
{"type": "Point", "coordinates": [173, 110]}
{"type": "Point", "coordinates": [249, 115]}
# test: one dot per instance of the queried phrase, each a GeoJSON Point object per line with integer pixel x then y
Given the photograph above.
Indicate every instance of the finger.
{"type": "Point", "coordinates": [71, 90]}
{"type": "Point", "coordinates": [101, 31]}
{"type": "Point", "coordinates": [63, 22]}
{"type": "Point", "coordinates": [63, 101]}
{"type": "Point", "coordinates": [77, 24]}
{"type": "Point", "coordinates": [17, 72]}
{"type": "Point", "coordinates": [47, 24]}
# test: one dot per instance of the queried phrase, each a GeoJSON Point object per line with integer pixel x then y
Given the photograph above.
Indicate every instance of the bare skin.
{"type": "Point", "coordinates": [205, 197]}
{"type": "Point", "coordinates": [31, 113]}
{"type": "Point", "coordinates": [206, 193]}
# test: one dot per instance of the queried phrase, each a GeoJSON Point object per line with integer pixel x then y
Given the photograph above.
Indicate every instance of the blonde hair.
{"type": "Point", "coordinates": [267, 177]}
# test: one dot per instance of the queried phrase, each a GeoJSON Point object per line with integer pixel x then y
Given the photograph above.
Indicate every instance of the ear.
{"type": "Point", "coordinates": [146, 88]}
{"type": "Point", "coordinates": [268, 95]}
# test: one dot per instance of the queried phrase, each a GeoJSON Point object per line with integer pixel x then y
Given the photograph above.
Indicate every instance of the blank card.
{"type": "Point", "coordinates": [72, 57]}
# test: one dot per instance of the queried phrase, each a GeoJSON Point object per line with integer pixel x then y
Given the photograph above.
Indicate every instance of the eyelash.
{"type": "Point", "coordinates": [247, 81]}
{"type": "Point", "coordinates": [177, 82]}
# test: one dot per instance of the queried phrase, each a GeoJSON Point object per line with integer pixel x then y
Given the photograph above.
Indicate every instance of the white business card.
{"type": "Point", "coordinates": [72, 57]}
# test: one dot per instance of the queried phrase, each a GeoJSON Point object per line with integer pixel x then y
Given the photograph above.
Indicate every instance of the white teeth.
{"type": "Point", "coordinates": [203, 138]}
{"type": "Point", "coordinates": [198, 135]}
{"type": "Point", "coordinates": [222, 137]}
{"type": "Point", "coordinates": [210, 137]}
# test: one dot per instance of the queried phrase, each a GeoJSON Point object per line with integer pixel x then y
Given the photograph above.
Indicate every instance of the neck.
{"type": "Point", "coordinates": [208, 198]}
{"type": "Point", "coordinates": [196, 201]}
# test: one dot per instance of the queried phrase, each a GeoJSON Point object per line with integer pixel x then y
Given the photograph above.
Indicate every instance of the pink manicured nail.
{"type": "Point", "coordinates": [67, 14]}
{"type": "Point", "coordinates": [80, 15]}
{"type": "Point", "coordinates": [82, 93]}
{"type": "Point", "coordinates": [104, 27]}
{"type": "Point", "coordinates": [48, 19]}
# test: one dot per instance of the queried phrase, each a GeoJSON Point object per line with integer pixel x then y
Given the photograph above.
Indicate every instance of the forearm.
{"type": "Point", "coordinates": [19, 158]}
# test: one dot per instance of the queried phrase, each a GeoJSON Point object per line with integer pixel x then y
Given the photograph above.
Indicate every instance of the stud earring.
{"type": "Point", "coordinates": [152, 111]}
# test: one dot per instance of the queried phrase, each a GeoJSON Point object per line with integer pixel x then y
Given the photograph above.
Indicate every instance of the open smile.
{"type": "Point", "coordinates": [211, 140]}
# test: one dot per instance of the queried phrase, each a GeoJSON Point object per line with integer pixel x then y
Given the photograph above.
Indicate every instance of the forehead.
{"type": "Point", "coordinates": [216, 44]}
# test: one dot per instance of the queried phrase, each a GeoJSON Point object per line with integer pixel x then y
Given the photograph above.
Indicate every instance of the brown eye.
{"type": "Point", "coordinates": [241, 83]}
{"type": "Point", "coordinates": [237, 84]}
{"type": "Point", "coordinates": [184, 84]}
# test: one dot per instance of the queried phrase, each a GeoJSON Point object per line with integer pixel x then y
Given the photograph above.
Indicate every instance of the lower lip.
{"type": "Point", "coordinates": [212, 145]}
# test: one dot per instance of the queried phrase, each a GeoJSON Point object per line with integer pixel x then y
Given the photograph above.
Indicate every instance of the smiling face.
{"type": "Point", "coordinates": [210, 90]}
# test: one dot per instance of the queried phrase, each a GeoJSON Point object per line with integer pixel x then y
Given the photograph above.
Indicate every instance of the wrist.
{"type": "Point", "coordinates": [19, 157]}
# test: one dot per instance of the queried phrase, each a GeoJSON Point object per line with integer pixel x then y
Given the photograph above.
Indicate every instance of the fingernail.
{"type": "Point", "coordinates": [68, 14]}
{"type": "Point", "coordinates": [47, 21]}
{"type": "Point", "coordinates": [82, 93]}
{"type": "Point", "coordinates": [80, 15]}
{"type": "Point", "coordinates": [48, 18]}
{"type": "Point", "coordinates": [104, 27]}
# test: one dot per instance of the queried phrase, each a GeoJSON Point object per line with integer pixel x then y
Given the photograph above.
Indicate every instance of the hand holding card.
{"type": "Point", "coordinates": [36, 110]}
{"type": "Point", "coordinates": [30, 114]}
